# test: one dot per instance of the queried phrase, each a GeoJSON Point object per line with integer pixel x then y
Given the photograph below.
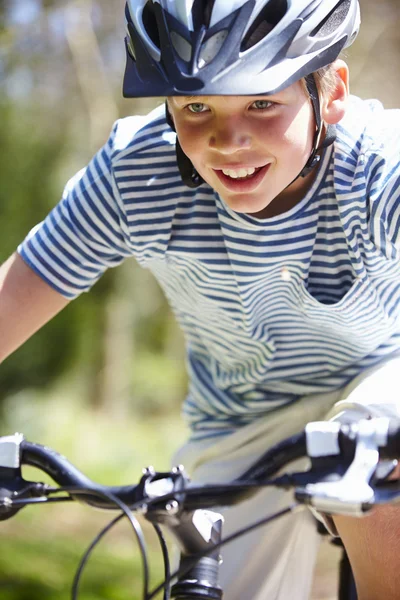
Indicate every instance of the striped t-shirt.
{"type": "Point", "coordinates": [272, 309]}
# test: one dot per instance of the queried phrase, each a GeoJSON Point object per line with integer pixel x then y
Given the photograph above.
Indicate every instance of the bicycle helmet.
{"type": "Point", "coordinates": [235, 47]}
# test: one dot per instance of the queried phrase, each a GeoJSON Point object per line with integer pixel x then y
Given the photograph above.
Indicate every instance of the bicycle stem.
{"type": "Point", "coordinates": [200, 579]}
{"type": "Point", "coordinates": [196, 532]}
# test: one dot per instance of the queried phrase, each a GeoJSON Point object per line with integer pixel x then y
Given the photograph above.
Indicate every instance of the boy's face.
{"type": "Point", "coordinates": [227, 137]}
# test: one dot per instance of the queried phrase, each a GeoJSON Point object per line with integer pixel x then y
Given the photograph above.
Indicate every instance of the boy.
{"type": "Point", "coordinates": [274, 235]}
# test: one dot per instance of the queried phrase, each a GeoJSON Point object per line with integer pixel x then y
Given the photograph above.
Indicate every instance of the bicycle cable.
{"type": "Point", "coordinates": [135, 526]}
{"type": "Point", "coordinates": [168, 577]}
{"type": "Point", "coordinates": [86, 556]}
{"type": "Point", "coordinates": [181, 571]}
{"type": "Point", "coordinates": [187, 499]}
{"type": "Point", "coordinates": [164, 549]}
{"type": "Point", "coordinates": [99, 537]}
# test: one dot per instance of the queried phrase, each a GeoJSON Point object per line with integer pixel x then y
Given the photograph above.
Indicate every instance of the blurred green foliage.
{"type": "Point", "coordinates": [41, 547]}
{"type": "Point", "coordinates": [32, 158]}
{"type": "Point", "coordinates": [48, 574]}
{"type": "Point", "coordinates": [29, 162]}
{"type": "Point", "coordinates": [58, 108]}
{"type": "Point", "coordinates": [103, 382]}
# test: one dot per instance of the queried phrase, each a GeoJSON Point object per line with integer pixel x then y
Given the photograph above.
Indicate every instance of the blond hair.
{"type": "Point", "coordinates": [325, 78]}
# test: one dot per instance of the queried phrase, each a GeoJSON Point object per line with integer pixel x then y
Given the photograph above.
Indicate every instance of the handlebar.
{"type": "Point", "coordinates": [331, 446]}
{"type": "Point", "coordinates": [346, 476]}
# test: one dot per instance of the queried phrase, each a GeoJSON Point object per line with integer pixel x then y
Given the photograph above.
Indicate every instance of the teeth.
{"type": "Point", "coordinates": [240, 173]}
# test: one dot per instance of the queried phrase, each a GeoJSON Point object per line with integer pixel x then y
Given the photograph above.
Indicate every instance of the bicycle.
{"type": "Point", "coordinates": [340, 456]}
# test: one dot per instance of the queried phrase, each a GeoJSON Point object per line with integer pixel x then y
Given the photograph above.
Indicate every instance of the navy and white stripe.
{"type": "Point", "coordinates": [271, 309]}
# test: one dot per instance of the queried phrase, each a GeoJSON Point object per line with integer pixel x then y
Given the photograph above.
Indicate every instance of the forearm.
{"type": "Point", "coordinates": [373, 542]}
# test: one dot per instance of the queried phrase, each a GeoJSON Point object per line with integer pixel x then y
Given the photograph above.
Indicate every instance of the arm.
{"type": "Point", "coordinates": [83, 236]}
{"type": "Point", "coordinates": [26, 303]}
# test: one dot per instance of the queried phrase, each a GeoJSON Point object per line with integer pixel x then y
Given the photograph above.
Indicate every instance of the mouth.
{"type": "Point", "coordinates": [239, 181]}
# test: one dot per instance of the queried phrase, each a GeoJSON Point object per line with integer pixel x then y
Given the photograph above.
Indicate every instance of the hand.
{"type": "Point", "coordinates": [396, 473]}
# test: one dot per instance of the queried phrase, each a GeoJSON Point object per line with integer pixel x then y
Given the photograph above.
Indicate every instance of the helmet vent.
{"type": "Point", "coordinates": [182, 46]}
{"type": "Point", "coordinates": [264, 23]}
{"type": "Point", "coordinates": [201, 13]}
{"type": "Point", "coordinates": [209, 5]}
{"type": "Point", "coordinates": [333, 20]}
{"type": "Point", "coordinates": [150, 23]}
{"type": "Point", "coordinates": [211, 47]}
{"type": "Point", "coordinates": [130, 46]}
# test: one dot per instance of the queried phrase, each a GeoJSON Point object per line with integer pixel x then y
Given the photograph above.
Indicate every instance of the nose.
{"type": "Point", "coordinates": [230, 137]}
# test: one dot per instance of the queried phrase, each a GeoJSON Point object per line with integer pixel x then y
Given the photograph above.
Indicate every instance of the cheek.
{"type": "Point", "coordinates": [292, 136]}
{"type": "Point", "coordinates": [192, 142]}
{"type": "Point", "coordinates": [301, 132]}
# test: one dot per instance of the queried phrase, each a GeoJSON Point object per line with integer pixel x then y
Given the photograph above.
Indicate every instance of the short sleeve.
{"type": "Point", "coordinates": [85, 234]}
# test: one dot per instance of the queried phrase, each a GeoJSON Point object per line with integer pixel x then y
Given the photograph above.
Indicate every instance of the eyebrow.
{"type": "Point", "coordinates": [205, 98]}
{"type": "Point", "coordinates": [180, 101]}
{"type": "Point", "coordinates": [190, 98]}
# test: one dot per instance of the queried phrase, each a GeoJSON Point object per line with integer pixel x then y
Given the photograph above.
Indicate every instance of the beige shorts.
{"type": "Point", "coordinates": [276, 562]}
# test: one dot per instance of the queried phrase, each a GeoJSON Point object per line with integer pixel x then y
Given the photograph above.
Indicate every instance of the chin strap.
{"type": "Point", "coordinates": [330, 136]}
{"type": "Point", "coordinates": [192, 179]}
{"type": "Point", "coordinates": [190, 176]}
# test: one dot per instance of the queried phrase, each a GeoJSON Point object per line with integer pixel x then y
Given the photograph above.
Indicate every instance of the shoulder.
{"type": "Point", "coordinates": [367, 170]}
{"type": "Point", "coordinates": [369, 128]}
{"type": "Point", "coordinates": [368, 141]}
{"type": "Point", "coordinates": [138, 134]}
{"type": "Point", "coordinates": [135, 142]}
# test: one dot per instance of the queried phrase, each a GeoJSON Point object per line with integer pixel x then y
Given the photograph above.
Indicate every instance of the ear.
{"type": "Point", "coordinates": [334, 104]}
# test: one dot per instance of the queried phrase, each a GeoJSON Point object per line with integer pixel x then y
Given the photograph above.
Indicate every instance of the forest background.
{"type": "Point", "coordinates": [104, 381]}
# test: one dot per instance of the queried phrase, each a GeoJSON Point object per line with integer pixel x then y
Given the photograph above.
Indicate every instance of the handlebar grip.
{"type": "Point", "coordinates": [388, 444]}
{"type": "Point", "coordinates": [392, 448]}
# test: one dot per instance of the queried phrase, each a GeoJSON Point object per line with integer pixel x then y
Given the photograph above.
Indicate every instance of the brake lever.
{"type": "Point", "coordinates": [13, 486]}
{"type": "Point", "coordinates": [352, 494]}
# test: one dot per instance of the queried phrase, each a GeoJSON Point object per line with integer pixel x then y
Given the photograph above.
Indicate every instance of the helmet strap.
{"type": "Point", "coordinates": [190, 176]}
{"type": "Point", "coordinates": [330, 136]}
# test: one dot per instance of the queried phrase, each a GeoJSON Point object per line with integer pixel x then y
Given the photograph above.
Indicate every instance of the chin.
{"type": "Point", "coordinates": [247, 207]}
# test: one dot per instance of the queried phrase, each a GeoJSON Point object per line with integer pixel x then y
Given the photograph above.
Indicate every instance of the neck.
{"type": "Point", "coordinates": [288, 198]}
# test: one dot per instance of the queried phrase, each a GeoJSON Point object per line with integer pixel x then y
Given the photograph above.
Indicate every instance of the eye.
{"type": "Point", "coordinates": [197, 107]}
{"type": "Point", "coordinates": [262, 104]}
